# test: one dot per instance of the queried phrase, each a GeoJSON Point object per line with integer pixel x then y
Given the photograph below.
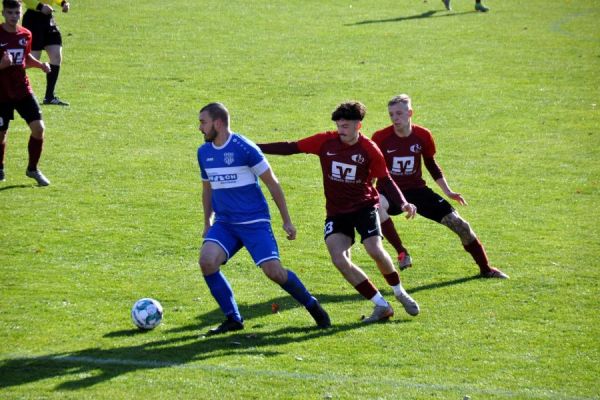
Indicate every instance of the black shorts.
{"type": "Point", "coordinates": [43, 30]}
{"type": "Point", "coordinates": [28, 108]}
{"type": "Point", "coordinates": [365, 221]}
{"type": "Point", "coordinates": [429, 204]}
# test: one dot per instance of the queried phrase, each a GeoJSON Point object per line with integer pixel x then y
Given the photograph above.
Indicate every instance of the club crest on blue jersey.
{"type": "Point", "coordinates": [228, 158]}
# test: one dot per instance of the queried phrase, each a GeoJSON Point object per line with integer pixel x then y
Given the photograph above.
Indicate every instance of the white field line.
{"type": "Point", "coordinates": [534, 393]}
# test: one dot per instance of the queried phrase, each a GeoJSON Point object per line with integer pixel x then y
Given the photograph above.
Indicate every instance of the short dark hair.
{"type": "Point", "coordinates": [350, 110]}
{"type": "Point", "coordinates": [217, 111]}
{"type": "Point", "coordinates": [11, 4]}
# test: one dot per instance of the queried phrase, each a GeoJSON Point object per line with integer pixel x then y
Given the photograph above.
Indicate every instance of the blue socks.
{"type": "Point", "coordinates": [221, 291]}
{"type": "Point", "coordinates": [296, 289]}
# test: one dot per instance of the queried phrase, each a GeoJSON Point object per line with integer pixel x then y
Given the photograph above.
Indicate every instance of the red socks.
{"type": "Point", "coordinates": [389, 233]}
{"type": "Point", "coordinates": [35, 151]}
{"type": "Point", "coordinates": [366, 289]}
{"type": "Point", "coordinates": [475, 248]}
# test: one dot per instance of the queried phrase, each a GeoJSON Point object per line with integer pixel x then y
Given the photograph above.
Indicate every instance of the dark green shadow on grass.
{"type": "Point", "coordinates": [16, 187]}
{"type": "Point", "coordinates": [427, 14]}
{"type": "Point", "coordinates": [183, 346]}
{"type": "Point", "coordinates": [438, 285]}
{"type": "Point", "coordinates": [186, 344]}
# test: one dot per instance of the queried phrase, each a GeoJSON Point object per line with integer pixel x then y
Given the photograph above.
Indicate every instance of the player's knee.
{"type": "Point", "coordinates": [274, 271]}
{"type": "Point", "coordinates": [208, 264]}
{"type": "Point", "coordinates": [54, 54]}
{"type": "Point", "coordinates": [37, 129]}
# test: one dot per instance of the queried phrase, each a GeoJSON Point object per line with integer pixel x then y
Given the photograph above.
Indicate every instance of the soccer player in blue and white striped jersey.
{"type": "Point", "coordinates": [230, 166]}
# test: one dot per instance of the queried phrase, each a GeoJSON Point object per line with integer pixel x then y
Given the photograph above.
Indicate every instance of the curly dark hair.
{"type": "Point", "coordinates": [350, 110]}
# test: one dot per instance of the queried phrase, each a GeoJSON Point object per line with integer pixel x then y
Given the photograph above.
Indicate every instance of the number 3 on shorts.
{"type": "Point", "coordinates": [328, 228]}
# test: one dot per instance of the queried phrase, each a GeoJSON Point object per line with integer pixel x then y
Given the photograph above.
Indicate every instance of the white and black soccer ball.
{"type": "Point", "coordinates": [147, 313]}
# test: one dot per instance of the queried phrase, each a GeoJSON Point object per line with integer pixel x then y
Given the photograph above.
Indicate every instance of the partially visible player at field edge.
{"type": "Point", "coordinates": [404, 146]}
{"type": "Point", "coordinates": [350, 162]}
{"type": "Point", "coordinates": [229, 166]}
{"type": "Point", "coordinates": [478, 6]}
{"type": "Point", "coordinates": [15, 90]}
{"type": "Point", "coordinates": [39, 19]}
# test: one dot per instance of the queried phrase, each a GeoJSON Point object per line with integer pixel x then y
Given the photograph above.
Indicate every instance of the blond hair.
{"type": "Point", "coordinates": [401, 98]}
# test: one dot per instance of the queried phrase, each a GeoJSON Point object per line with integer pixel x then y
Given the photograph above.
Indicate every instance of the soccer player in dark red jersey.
{"type": "Point", "coordinates": [15, 90]}
{"type": "Point", "coordinates": [404, 145]}
{"type": "Point", "coordinates": [350, 163]}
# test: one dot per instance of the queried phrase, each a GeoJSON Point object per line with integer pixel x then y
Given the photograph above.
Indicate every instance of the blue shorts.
{"type": "Point", "coordinates": [256, 237]}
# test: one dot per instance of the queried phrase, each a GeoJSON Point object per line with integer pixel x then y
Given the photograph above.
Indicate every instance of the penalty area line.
{"type": "Point", "coordinates": [533, 393]}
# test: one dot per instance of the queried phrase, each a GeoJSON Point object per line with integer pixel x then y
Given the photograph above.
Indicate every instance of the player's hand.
{"type": "Point", "coordinates": [65, 6]}
{"type": "Point", "coordinates": [45, 67]}
{"type": "Point", "coordinates": [457, 197]}
{"type": "Point", "coordinates": [290, 229]}
{"type": "Point", "coordinates": [410, 210]}
{"type": "Point", "coordinates": [46, 9]}
{"type": "Point", "coordinates": [6, 60]}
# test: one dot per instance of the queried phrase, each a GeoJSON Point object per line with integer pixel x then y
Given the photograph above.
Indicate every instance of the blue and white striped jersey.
{"type": "Point", "coordinates": [233, 170]}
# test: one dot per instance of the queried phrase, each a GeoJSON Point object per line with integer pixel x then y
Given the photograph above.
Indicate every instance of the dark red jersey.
{"type": "Point", "coordinates": [348, 171]}
{"type": "Point", "coordinates": [14, 84]}
{"type": "Point", "coordinates": [403, 155]}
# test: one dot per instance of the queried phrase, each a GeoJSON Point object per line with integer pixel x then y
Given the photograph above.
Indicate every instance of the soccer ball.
{"type": "Point", "coordinates": [146, 313]}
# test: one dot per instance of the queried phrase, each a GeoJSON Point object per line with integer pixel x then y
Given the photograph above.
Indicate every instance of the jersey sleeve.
{"type": "Point", "coordinates": [203, 174]}
{"type": "Point", "coordinates": [312, 144]}
{"type": "Point", "coordinates": [428, 144]}
{"type": "Point", "coordinates": [28, 47]}
{"type": "Point", "coordinates": [256, 159]}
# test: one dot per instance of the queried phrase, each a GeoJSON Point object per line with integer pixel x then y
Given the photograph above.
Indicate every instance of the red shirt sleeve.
{"type": "Point", "coordinates": [428, 142]}
{"type": "Point", "coordinates": [312, 144]}
{"type": "Point", "coordinates": [28, 49]}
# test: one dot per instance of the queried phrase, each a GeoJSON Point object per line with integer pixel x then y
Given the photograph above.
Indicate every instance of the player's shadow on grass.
{"type": "Point", "coordinates": [16, 187]}
{"type": "Point", "coordinates": [91, 366]}
{"type": "Point", "coordinates": [439, 285]}
{"type": "Point", "coordinates": [427, 14]}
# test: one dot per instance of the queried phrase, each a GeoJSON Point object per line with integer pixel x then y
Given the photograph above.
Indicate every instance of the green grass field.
{"type": "Point", "coordinates": [512, 99]}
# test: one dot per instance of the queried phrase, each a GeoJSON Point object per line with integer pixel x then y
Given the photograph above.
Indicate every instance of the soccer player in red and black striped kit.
{"type": "Point", "coordinates": [350, 163]}
{"type": "Point", "coordinates": [15, 90]}
{"type": "Point", "coordinates": [404, 145]}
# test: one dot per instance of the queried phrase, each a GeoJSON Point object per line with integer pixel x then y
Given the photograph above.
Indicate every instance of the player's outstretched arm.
{"type": "Point", "coordinates": [270, 180]}
{"type": "Point", "coordinates": [395, 196]}
{"type": "Point", "coordinates": [441, 182]}
{"type": "Point", "coordinates": [32, 62]}
{"type": "Point", "coordinates": [280, 148]}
